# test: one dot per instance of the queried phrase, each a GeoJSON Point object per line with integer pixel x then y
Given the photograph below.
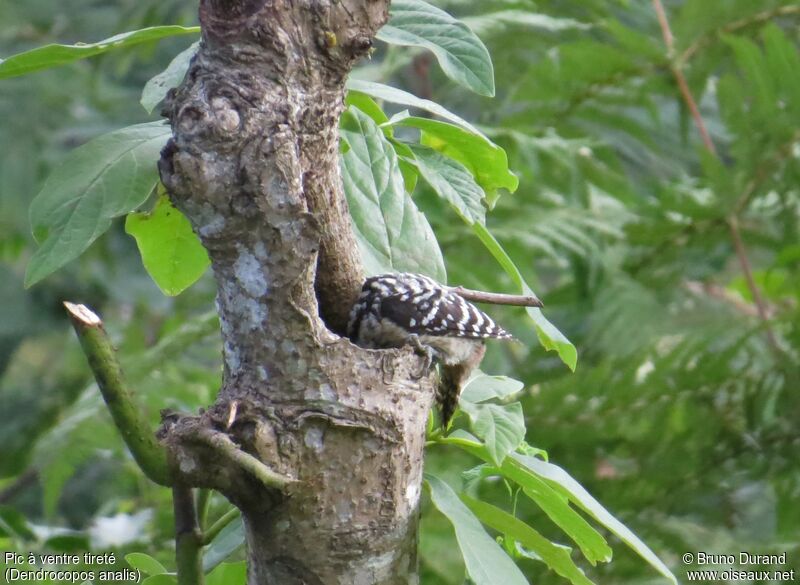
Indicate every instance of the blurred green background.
{"type": "Point", "coordinates": [682, 417]}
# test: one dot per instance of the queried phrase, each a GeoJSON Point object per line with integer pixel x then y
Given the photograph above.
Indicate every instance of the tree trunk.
{"type": "Point", "coordinates": [253, 163]}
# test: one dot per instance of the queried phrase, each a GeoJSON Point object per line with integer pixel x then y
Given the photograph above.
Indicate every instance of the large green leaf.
{"type": "Point", "coordinates": [486, 161]}
{"type": "Point", "coordinates": [155, 90]}
{"type": "Point", "coordinates": [367, 105]}
{"type": "Point", "coordinates": [398, 96]}
{"type": "Point", "coordinates": [452, 182]}
{"type": "Point", "coordinates": [171, 251]}
{"type": "Point", "coordinates": [145, 563]}
{"type": "Point", "coordinates": [549, 336]}
{"type": "Point", "coordinates": [13, 524]}
{"type": "Point", "coordinates": [570, 488]}
{"type": "Point", "coordinates": [107, 177]}
{"type": "Point", "coordinates": [392, 233]}
{"type": "Point", "coordinates": [482, 387]}
{"type": "Point", "coordinates": [229, 540]}
{"type": "Point", "coordinates": [162, 579]}
{"type": "Point", "coordinates": [486, 562]}
{"type": "Point", "coordinates": [502, 427]}
{"type": "Point", "coordinates": [461, 54]}
{"type": "Point", "coordinates": [592, 544]}
{"type": "Point", "coordinates": [55, 55]}
{"type": "Point", "coordinates": [228, 574]}
{"type": "Point", "coordinates": [555, 556]}
{"type": "Point", "coordinates": [502, 20]}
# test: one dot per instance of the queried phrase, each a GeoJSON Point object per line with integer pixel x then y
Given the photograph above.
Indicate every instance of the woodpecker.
{"type": "Point", "coordinates": [398, 309]}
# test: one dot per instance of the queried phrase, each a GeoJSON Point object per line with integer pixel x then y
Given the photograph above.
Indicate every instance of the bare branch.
{"type": "Point", "coordinates": [480, 296]}
{"type": "Point", "coordinates": [20, 485]}
{"type": "Point", "coordinates": [714, 291]}
{"type": "Point", "coordinates": [129, 419]}
{"type": "Point", "coordinates": [747, 270]}
{"type": "Point", "coordinates": [680, 78]}
{"type": "Point", "coordinates": [732, 220]}
{"type": "Point", "coordinates": [227, 449]}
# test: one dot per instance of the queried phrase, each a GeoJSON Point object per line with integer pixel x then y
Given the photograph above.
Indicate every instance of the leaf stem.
{"type": "Point", "coordinates": [203, 504]}
{"type": "Point", "coordinates": [221, 523]}
{"type": "Point", "coordinates": [128, 418]}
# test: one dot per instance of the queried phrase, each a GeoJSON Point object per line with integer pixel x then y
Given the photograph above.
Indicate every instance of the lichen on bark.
{"type": "Point", "coordinates": [253, 163]}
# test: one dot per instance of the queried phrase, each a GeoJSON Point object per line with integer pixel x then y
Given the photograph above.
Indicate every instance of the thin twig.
{"type": "Point", "coordinates": [758, 18]}
{"type": "Point", "coordinates": [731, 220]}
{"type": "Point", "coordinates": [720, 293]}
{"type": "Point", "coordinates": [20, 485]}
{"type": "Point", "coordinates": [226, 448]}
{"type": "Point", "coordinates": [680, 78]}
{"type": "Point", "coordinates": [744, 262]}
{"type": "Point", "coordinates": [203, 504]}
{"type": "Point", "coordinates": [128, 418]}
{"type": "Point", "coordinates": [228, 517]}
{"type": "Point", "coordinates": [188, 541]}
{"type": "Point", "coordinates": [480, 296]}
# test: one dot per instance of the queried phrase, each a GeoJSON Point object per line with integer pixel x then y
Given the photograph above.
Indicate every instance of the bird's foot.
{"type": "Point", "coordinates": [424, 350]}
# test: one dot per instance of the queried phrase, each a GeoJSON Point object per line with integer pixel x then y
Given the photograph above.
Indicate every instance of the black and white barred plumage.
{"type": "Point", "coordinates": [418, 305]}
{"type": "Point", "coordinates": [396, 309]}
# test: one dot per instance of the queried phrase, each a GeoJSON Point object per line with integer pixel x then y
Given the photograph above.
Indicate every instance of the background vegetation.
{"type": "Point", "coordinates": [681, 417]}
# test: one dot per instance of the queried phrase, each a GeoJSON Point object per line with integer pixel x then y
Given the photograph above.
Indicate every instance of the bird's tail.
{"type": "Point", "coordinates": [450, 380]}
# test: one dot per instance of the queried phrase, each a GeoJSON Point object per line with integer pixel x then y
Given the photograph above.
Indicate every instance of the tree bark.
{"type": "Point", "coordinates": [331, 436]}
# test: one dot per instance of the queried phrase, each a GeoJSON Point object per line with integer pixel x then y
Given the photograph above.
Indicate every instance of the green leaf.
{"type": "Point", "coordinates": [461, 54]}
{"type": "Point", "coordinates": [228, 541]}
{"type": "Point", "coordinates": [70, 542]}
{"type": "Point", "coordinates": [482, 387]}
{"type": "Point", "coordinates": [549, 336]}
{"type": "Point", "coordinates": [145, 563]}
{"type": "Point", "coordinates": [398, 96]}
{"type": "Point", "coordinates": [228, 574]}
{"type": "Point", "coordinates": [486, 161]}
{"type": "Point", "coordinates": [55, 55]}
{"type": "Point", "coordinates": [502, 427]}
{"type": "Point", "coordinates": [107, 177]}
{"type": "Point", "coordinates": [592, 544]}
{"type": "Point", "coordinates": [527, 449]}
{"type": "Point", "coordinates": [14, 524]}
{"type": "Point", "coordinates": [570, 488]}
{"type": "Point", "coordinates": [155, 90]}
{"type": "Point", "coordinates": [486, 562]}
{"type": "Point", "coordinates": [367, 105]}
{"type": "Point", "coordinates": [171, 252]}
{"type": "Point", "coordinates": [496, 22]}
{"type": "Point", "coordinates": [163, 579]}
{"type": "Point", "coordinates": [471, 477]}
{"type": "Point", "coordinates": [452, 182]}
{"type": "Point", "coordinates": [392, 233]}
{"type": "Point", "coordinates": [555, 556]}
{"type": "Point", "coordinates": [53, 477]}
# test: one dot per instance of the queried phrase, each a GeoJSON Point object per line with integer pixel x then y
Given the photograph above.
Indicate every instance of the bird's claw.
{"type": "Point", "coordinates": [424, 350]}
